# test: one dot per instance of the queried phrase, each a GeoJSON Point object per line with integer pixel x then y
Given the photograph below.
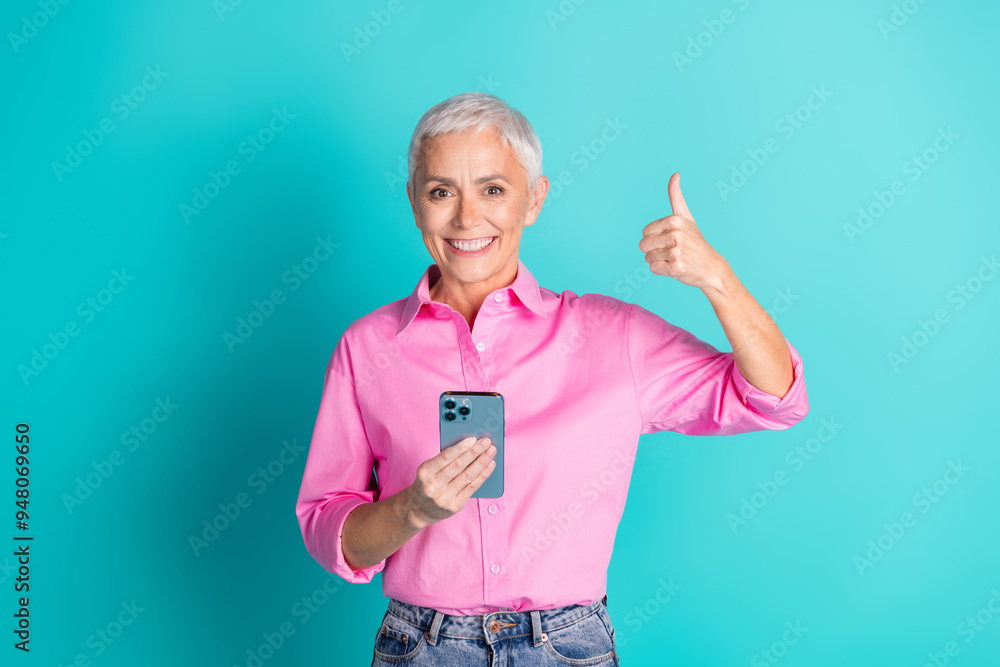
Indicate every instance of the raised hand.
{"type": "Point", "coordinates": [675, 247]}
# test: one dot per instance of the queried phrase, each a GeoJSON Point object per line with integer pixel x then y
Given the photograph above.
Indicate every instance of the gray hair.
{"type": "Point", "coordinates": [480, 110]}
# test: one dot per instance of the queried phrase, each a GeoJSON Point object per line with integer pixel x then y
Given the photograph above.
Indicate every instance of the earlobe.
{"type": "Point", "coordinates": [538, 199]}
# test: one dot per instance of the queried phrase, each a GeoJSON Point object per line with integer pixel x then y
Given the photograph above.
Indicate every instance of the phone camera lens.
{"type": "Point", "coordinates": [449, 416]}
{"type": "Point", "coordinates": [464, 410]}
{"type": "Point", "coordinates": [450, 404]}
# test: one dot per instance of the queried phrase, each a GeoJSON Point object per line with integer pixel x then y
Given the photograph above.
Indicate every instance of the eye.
{"type": "Point", "coordinates": [495, 187]}
{"type": "Point", "coordinates": [433, 196]}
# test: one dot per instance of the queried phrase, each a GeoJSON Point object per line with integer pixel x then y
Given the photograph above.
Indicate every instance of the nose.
{"type": "Point", "coordinates": [468, 214]}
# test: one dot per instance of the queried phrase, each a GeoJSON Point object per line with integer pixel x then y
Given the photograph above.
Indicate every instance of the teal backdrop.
{"type": "Point", "coordinates": [168, 166]}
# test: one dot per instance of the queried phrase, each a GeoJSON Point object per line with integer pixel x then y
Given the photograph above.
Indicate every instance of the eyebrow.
{"type": "Point", "coordinates": [478, 181]}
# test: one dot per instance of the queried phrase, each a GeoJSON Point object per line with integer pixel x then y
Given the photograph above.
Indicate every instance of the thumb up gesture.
{"type": "Point", "coordinates": [675, 247]}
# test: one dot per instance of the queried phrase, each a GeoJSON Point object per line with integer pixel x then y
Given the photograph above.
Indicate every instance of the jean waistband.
{"type": "Point", "coordinates": [493, 625]}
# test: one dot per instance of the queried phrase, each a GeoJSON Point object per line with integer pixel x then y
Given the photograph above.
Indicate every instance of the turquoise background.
{"type": "Point", "coordinates": [332, 172]}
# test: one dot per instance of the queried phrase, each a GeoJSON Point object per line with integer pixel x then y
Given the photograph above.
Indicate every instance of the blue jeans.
{"type": "Point", "coordinates": [571, 635]}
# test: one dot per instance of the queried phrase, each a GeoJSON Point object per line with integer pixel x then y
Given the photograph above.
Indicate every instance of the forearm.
{"type": "Point", "coordinates": [374, 531]}
{"type": "Point", "coordinates": [759, 348]}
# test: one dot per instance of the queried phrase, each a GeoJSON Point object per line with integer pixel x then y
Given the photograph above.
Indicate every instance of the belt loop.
{"type": "Point", "coordinates": [537, 636]}
{"type": "Point", "coordinates": [432, 634]}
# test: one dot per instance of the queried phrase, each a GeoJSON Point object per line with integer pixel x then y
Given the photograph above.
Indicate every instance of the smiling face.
{"type": "Point", "coordinates": [469, 188]}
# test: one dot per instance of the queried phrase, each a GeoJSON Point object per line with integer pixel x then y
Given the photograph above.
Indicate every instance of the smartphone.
{"type": "Point", "coordinates": [475, 413]}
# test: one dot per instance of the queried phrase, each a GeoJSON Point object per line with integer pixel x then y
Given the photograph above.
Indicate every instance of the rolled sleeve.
{"type": "Point", "coordinates": [791, 407]}
{"type": "Point", "coordinates": [685, 385]}
{"type": "Point", "coordinates": [338, 476]}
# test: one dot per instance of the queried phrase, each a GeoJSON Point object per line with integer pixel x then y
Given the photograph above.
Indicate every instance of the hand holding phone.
{"type": "Point", "coordinates": [445, 482]}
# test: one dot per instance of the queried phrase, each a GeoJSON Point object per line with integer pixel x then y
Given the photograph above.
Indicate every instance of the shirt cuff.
{"type": "Point", "coordinates": [795, 401]}
{"type": "Point", "coordinates": [334, 516]}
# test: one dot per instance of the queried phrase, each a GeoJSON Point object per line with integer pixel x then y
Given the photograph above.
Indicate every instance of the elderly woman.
{"type": "Point", "coordinates": [519, 579]}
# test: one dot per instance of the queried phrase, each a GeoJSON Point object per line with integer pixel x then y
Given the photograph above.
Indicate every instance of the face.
{"type": "Point", "coordinates": [468, 187]}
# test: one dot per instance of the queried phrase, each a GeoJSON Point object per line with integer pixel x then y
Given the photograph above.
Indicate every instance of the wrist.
{"type": "Point", "coordinates": [724, 286]}
{"type": "Point", "coordinates": [407, 512]}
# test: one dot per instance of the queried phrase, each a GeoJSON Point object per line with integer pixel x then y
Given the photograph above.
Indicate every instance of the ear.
{"type": "Point", "coordinates": [537, 199]}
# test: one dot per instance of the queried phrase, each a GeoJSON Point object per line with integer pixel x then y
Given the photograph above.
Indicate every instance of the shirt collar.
{"type": "Point", "coordinates": [524, 286]}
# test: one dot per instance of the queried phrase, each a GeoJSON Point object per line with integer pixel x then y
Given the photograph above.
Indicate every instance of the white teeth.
{"type": "Point", "coordinates": [472, 247]}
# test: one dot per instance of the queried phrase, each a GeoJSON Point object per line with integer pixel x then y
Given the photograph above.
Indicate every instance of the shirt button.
{"type": "Point", "coordinates": [480, 347]}
{"type": "Point", "coordinates": [495, 569]}
{"type": "Point", "coordinates": [493, 509]}
{"type": "Point", "coordinates": [498, 297]}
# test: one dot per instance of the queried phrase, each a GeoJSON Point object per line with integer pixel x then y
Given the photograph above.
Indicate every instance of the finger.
{"type": "Point", "coordinates": [471, 473]}
{"type": "Point", "coordinates": [662, 268]}
{"type": "Point", "coordinates": [465, 493]}
{"type": "Point", "coordinates": [663, 252]}
{"type": "Point", "coordinates": [482, 477]}
{"type": "Point", "coordinates": [654, 227]}
{"type": "Point", "coordinates": [666, 224]}
{"type": "Point", "coordinates": [676, 198]}
{"type": "Point", "coordinates": [465, 447]}
{"type": "Point", "coordinates": [468, 458]}
{"type": "Point", "coordinates": [657, 241]}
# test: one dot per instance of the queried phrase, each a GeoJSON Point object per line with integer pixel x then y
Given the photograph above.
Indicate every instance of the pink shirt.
{"type": "Point", "coordinates": [582, 378]}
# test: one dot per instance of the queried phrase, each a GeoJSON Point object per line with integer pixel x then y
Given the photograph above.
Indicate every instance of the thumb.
{"type": "Point", "coordinates": [676, 198]}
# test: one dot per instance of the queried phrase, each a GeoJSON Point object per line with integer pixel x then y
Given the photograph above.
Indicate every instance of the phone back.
{"type": "Point", "coordinates": [479, 414]}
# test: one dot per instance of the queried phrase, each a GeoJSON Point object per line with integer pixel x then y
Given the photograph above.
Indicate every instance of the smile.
{"type": "Point", "coordinates": [471, 245]}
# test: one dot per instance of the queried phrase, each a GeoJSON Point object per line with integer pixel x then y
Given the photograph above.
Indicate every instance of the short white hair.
{"type": "Point", "coordinates": [480, 110]}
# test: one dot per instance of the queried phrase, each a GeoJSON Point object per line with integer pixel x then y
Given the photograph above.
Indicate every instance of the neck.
{"type": "Point", "coordinates": [467, 298]}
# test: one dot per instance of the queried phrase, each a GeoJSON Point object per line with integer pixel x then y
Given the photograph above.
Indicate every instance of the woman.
{"type": "Point", "coordinates": [519, 579]}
